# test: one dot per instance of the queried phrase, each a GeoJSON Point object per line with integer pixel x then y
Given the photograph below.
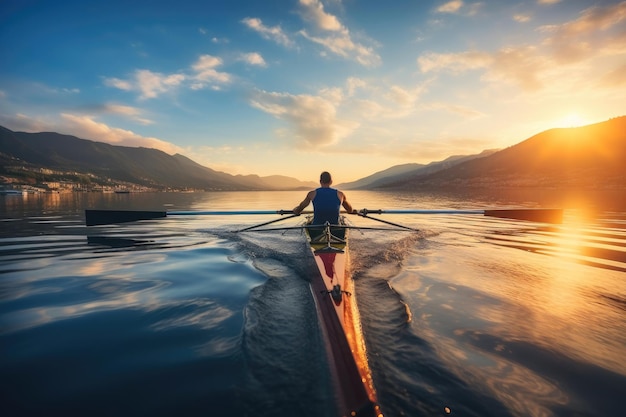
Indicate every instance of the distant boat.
{"type": "Point", "coordinates": [122, 192]}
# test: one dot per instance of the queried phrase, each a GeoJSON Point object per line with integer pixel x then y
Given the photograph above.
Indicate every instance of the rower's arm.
{"type": "Point", "coordinates": [346, 204]}
{"type": "Point", "coordinates": [309, 197]}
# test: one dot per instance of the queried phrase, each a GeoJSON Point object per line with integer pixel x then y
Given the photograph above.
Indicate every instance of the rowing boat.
{"type": "Point", "coordinates": [338, 316]}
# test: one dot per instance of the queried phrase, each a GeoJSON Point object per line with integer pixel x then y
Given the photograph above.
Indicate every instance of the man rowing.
{"type": "Point", "coordinates": [327, 202]}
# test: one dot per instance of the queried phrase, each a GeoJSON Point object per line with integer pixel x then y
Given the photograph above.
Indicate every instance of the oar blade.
{"type": "Point", "coordinates": [102, 217]}
{"type": "Point", "coordinates": [533, 215]}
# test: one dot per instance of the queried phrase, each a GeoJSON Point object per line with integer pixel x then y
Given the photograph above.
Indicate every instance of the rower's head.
{"type": "Point", "coordinates": [325, 178]}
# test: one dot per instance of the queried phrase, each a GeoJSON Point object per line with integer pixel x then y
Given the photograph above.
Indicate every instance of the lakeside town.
{"type": "Point", "coordinates": [22, 180]}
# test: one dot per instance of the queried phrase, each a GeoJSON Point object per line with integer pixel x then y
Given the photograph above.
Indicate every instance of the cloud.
{"type": "Point", "coordinates": [206, 74]}
{"type": "Point", "coordinates": [342, 45]}
{"type": "Point", "coordinates": [313, 11]}
{"type": "Point", "coordinates": [313, 119]}
{"type": "Point", "coordinates": [88, 128]}
{"type": "Point", "coordinates": [520, 65]}
{"type": "Point", "coordinates": [522, 18]}
{"type": "Point", "coordinates": [454, 62]}
{"type": "Point", "coordinates": [133, 113]}
{"type": "Point", "coordinates": [353, 84]}
{"type": "Point", "coordinates": [253, 58]}
{"type": "Point", "coordinates": [577, 41]}
{"type": "Point", "coordinates": [327, 31]}
{"type": "Point", "coordinates": [614, 78]}
{"type": "Point", "coordinates": [458, 6]}
{"type": "Point", "coordinates": [548, 1]}
{"type": "Point", "coordinates": [334, 36]}
{"type": "Point", "coordinates": [450, 7]}
{"type": "Point", "coordinates": [402, 97]}
{"type": "Point", "coordinates": [588, 35]}
{"type": "Point", "coordinates": [274, 33]}
{"type": "Point", "coordinates": [465, 112]}
{"type": "Point", "coordinates": [118, 83]}
{"type": "Point", "coordinates": [151, 84]}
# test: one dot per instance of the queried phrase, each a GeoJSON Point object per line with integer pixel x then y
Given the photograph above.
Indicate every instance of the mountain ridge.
{"type": "Point", "coordinates": [589, 156]}
{"type": "Point", "coordinates": [137, 165]}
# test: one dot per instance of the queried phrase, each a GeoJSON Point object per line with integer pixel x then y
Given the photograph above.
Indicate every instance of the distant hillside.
{"type": "Point", "coordinates": [143, 166]}
{"type": "Point", "coordinates": [400, 173]}
{"type": "Point", "coordinates": [389, 172]}
{"type": "Point", "coordinates": [591, 156]}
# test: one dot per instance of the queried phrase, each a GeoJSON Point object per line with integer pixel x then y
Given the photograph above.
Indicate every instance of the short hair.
{"type": "Point", "coordinates": [325, 178]}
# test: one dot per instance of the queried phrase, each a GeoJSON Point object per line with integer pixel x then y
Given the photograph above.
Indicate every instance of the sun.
{"type": "Point", "coordinates": [572, 120]}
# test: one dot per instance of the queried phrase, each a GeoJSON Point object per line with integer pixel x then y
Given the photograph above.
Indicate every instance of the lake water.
{"type": "Point", "coordinates": [471, 316]}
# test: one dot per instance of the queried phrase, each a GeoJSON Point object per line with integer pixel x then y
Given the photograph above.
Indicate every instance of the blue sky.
{"type": "Point", "coordinates": [294, 87]}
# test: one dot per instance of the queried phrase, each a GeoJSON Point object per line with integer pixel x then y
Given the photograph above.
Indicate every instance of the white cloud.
{"type": "Point", "coordinates": [274, 33]}
{"type": "Point", "coordinates": [313, 11]}
{"type": "Point", "coordinates": [152, 84]}
{"type": "Point", "coordinates": [454, 62]}
{"type": "Point", "coordinates": [119, 84]}
{"type": "Point", "coordinates": [133, 113]}
{"type": "Point", "coordinates": [313, 119]}
{"type": "Point", "coordinates": [450, 7]}
{"type": "Point", "coordinates": [341, 44]}
{"type": "Point", "coordinates": [353, 84]}
{"type": "Point", "coordinates": [253, 58]}
{"type": "Point", "coordinates": [87, 128]}
{"type": "Point", "coordinates": [333, 35]}
{"type": "Point", "coordinates": [459, 6]}
{"type": "Point", "coordinates": [149, 84]}
{"type": "Point", "coordinates": [522, 18]}
{"type": "Point", "coordinates": [548, 1]}
{"type": "Point", "coordinates": [206, 72]}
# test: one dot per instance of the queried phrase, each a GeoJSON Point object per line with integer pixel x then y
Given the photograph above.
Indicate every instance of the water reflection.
{"type": "Point", "coordinates": [508, 318]}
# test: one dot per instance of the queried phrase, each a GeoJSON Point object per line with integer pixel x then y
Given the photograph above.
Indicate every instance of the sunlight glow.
{"type": "Point", "coordinates": [572, 120]}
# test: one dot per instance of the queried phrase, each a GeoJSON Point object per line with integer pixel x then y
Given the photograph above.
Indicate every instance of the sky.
{"type": "Point", "coordinates": [296, 87]}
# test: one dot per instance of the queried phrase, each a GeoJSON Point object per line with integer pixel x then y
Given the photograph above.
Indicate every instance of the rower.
{"type": "Point", "coordinates": [327, 202]}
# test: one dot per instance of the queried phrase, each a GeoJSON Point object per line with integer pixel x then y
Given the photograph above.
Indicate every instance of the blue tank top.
{"type": "Point", "coordinates": [326, 206]}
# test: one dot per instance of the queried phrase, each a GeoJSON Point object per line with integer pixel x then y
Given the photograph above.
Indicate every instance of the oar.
{"type": "Point", "coordinates": [531, 214]}
{"type": "Point", "coordinates": [101, 217]}
{"type": "Point", "coordinates": [364, 212]}
{"type": "Point", "coordinates": [251, 228]}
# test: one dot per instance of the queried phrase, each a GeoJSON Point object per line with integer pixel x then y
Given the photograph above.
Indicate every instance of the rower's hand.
{"type": "Point", "coordinates": [296, 211]}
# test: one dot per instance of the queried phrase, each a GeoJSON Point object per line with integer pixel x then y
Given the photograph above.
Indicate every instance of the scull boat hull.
{"type": "Point", "coordinates": [337, 311]}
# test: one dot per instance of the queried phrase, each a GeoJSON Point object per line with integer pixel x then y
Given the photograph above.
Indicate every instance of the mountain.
{"type": "Point", "coordinates": [590, 156]}
{"type": "Point", "coordinates": [399, 172]}
{"type": "Point", "coordinates": [142, 166]}
{"type": "Point", "coordinates": [371, 179]}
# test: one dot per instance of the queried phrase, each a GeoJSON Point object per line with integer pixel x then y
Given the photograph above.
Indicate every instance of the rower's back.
{"type": "Point", "coordinates": [326, 205]}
